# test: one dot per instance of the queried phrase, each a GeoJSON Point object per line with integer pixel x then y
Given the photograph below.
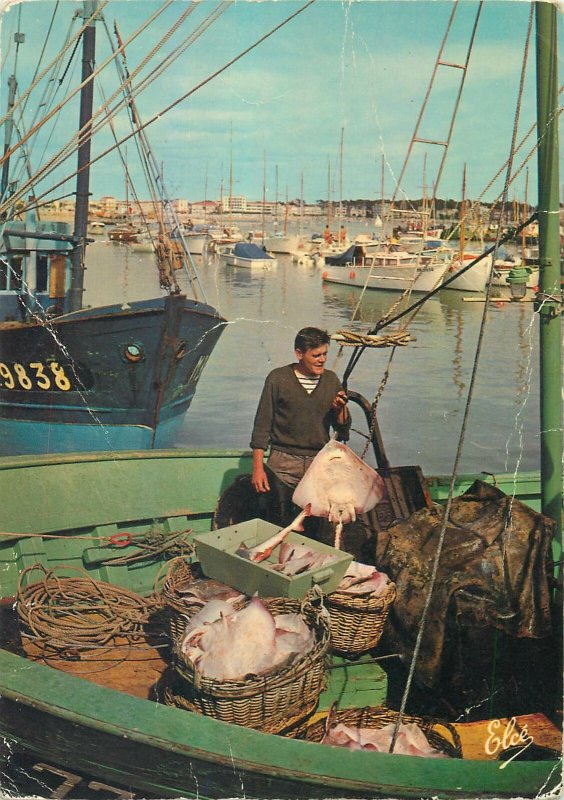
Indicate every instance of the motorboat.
{"type": "Point", "coordinates": [385, 270]}
{"type": "Point", "coordinates": [247, 254]}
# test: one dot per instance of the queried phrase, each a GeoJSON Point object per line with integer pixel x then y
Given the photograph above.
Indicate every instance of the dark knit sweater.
{"type": "Point", "coordinates": [293, 421]}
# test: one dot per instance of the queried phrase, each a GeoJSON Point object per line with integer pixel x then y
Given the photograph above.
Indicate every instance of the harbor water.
{"type": "Point", "coordinates": [422, 406]}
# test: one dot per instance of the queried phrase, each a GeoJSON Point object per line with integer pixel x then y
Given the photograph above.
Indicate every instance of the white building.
{"type": "Point", "coordinates": [234, 203]}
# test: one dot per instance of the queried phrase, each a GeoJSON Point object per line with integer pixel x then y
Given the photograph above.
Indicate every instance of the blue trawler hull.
{"type": "Point", "coordinates": [34, 438]}
{"type": "Point", "coordinates": [107, 379]}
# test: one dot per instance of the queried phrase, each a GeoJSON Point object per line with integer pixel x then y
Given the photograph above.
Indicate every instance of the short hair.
{"type": "Point", "coordinates": [309, 338]}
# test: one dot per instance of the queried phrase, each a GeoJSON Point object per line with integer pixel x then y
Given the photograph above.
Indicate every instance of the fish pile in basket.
{"type": "Point", "coordinates": [186, 590]}
{"type": "Point", "coordinates": [260, 664]}
{"type": "Point", "coordinates": [358, 609]}
{"type": "Point", "coordinates": [374, 728]}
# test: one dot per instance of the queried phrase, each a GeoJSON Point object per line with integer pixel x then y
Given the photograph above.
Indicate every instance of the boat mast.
{"type": "Point", "coordinates": [263, 220]}
{"type": "Point", "coordinates": [301, 203]}
{"type": "Point", "coordinates": [231, 182]}
{"type": "Point", "coordinates": [83, 168]}
{"type": "Point", "coordinates": [329, 193]}
{"type": "Point", "coordinates": [525, 216]}
{"type": "Point", "coordinates": [549, 299]}
{"type": "Point", "coordinates": [206, 194]}
{"type": "Point", "coordinates": [462, 221]}
{"type": "Point", "coordinates": [341, 174]}
{"type": "Point", "coordinates": [276, 201]}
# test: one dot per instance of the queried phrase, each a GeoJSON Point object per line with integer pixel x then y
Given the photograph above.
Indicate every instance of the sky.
{"type": "Point", "coordinates": [328, 102]}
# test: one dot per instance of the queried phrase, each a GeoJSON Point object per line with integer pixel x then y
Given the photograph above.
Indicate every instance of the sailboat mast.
{"type": "Point", "coordinates": [462, 223]}
{"type": "Point", "coordinates": [549, 304]}
{"type": "Point", "coordinates": [525, 215]}
{"type": "Point", "coordinates": [341, 174]}
{"type": "Point", "coordinates": [262, 219]}
{"type": "Point", "coordinates": [83, 168]}
{"type": "Point", "coordinates": [329, 192]}
{"type": "Point", "coordinates": [301, 203]}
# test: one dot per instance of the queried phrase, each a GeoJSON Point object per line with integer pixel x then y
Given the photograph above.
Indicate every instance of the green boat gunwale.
{"type": "Point", "coordinates": [73, 700]}
{"type": "Point", "coordinates": [95, 708]}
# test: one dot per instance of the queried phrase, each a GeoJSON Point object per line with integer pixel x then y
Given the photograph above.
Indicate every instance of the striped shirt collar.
{"type": "Point", "coordinates": [308, 382]}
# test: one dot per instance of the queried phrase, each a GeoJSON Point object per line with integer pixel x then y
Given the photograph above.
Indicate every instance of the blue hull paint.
{"type": "Point", "coordinates": [71, 387]}
{"type": "Point", "coordinates": [35, 438]}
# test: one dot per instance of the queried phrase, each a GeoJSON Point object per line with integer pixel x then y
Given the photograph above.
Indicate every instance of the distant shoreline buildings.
{"type": "Point", "coordinates": [112, 208]}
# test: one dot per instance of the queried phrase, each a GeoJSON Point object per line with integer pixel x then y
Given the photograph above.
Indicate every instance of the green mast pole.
{"type": "Point", "coordinates": [549, 298]}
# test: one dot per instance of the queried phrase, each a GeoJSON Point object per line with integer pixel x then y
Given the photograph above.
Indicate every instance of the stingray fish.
{"type": "Point", "coordinates": [225, 644]}
{"type": "Point", "coordinates": [362, 579]}
{"type": "Point", "coordinates": [339, 485]}
{"type": "Point", "coordinates": [410, 741]}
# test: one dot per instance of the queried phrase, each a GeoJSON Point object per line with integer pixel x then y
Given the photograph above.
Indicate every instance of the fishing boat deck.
{"type": "Point", "coordinates": [140, 670]}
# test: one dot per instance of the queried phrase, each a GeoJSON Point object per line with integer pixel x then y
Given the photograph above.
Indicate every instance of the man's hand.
{"type": "Point", "coordinates": [340, 401]}
{"type": "Point", "coordinates": [259, 478]}
{"type": "Point", "coordinates": [339, 405]}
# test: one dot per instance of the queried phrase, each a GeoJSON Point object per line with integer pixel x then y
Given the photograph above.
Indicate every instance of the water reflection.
{"type": "Point", "coordinates": [365, 310]}
{"type": "Point", "coordinates": [421, 407]}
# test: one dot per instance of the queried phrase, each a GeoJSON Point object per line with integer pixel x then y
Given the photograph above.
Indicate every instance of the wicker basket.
{"type": "Point", "coordinates": [178, 607]}
{"type": "Point", "coordinates": [357, 622]}
{"type": "Point", "coordinates": [440, 735]}
{"type": "Point", "coordinates": [268, 701]}
{"type": "Point", "coordinates": [294, 727]}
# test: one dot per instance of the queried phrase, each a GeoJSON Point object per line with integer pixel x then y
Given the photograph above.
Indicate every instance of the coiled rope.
{"type": "Point", "coordinates": [66, 617]}
{"type": "Point", "coordinates": [396, 339]}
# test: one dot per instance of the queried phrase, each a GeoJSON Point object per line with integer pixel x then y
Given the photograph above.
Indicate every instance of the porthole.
{"type": "Point", "coordinates": [134, 352]}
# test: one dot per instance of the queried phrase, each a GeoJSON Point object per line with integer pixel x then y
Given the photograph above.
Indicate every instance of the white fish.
{"type": "Point", "coordinates": [339, 485]}
{"type": "Point", "coordinates": [375, 585]}
{"type": "Point", "coordinates": [296, 558]}
{"type": "Point", "coordinates": [293, 637]}
{"type": "Point", "coordinates": [410, 740]}
{"type": "Point", "coordinates": [264, 549]}
{"type": "Point", "coordinates": [201, 624]}
{"type": "Point", "coordinates": [212, 611]}
{"type": "Point", "coordinates": [360, 579]}
{"type": "Point", "coordinates": [304, 563]}
{"type": "Point", "coordinates": [203, 590]}
{"type": "Point", "coordinates": [249, 641]}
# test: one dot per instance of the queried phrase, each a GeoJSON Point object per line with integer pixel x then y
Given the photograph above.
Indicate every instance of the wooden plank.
{"type": "Point", "coordinates": [485, 739]}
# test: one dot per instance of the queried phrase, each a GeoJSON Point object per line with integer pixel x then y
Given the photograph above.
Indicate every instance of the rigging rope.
{"type": "Point", "coordinates": [351, 338]}
{"type": "Point", "coordinates": [472, 384]}
{"type": "Point", "coordinates": [186, 95]}
{"type": "Point", "coordinates": [40, 77]}
{"type": "Point", "coordinates": [64, 152]}
{"type": "Point", "coordinates": [91, 128]}
{"type": "Point", "coordinates": [506, 238]}
{"type": "Point", "coordinates": [505, 163]}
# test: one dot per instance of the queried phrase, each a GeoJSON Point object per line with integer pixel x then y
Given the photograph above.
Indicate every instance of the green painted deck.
{"type": "Point", "coordinates": [160, 750]}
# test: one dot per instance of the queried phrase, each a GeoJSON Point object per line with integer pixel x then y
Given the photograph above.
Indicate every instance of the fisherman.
{"type": "Point", "coordinates": [299, 405]}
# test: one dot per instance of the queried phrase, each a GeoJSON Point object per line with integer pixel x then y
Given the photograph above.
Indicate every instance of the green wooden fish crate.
{"type": "Point", "coordinates": [216, 552]}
